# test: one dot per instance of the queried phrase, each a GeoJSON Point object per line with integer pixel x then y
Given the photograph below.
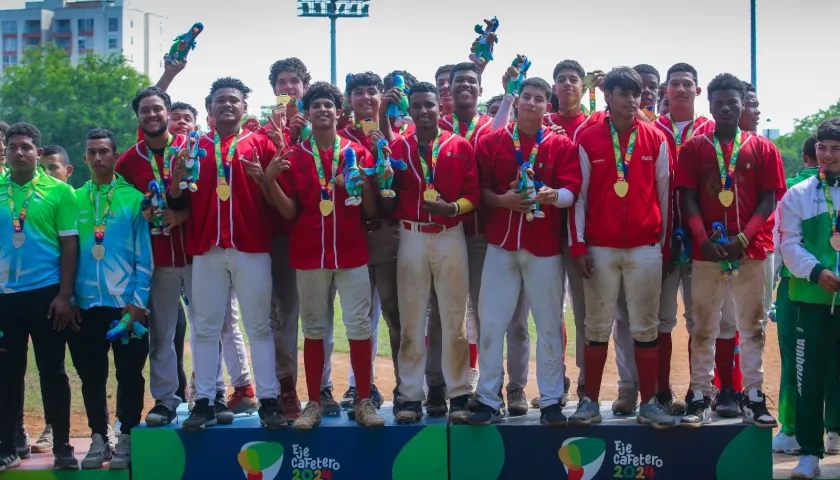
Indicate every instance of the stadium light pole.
{"type": "Point", "coordinates": [333, 9]}
{"type": "Point", "coordinates": [753, 70]}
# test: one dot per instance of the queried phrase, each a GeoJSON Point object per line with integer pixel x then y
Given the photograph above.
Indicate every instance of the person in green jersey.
{"type": "Point", "coordinates": [56, 163]}
{"type": "Point", "coordinates": [112, 284]}
{"type": "Point", "coordinates": [39, 246]}
{"type": "Point", "coordinates": [810, 245]}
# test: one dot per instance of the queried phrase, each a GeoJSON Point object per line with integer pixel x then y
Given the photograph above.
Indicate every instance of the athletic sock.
{"type": "Point", "coordinates": [313, 365]}
{"type": "Point", "coordinates": [594, 358]}
{"type": "Point", "coordinates": [360, 360]}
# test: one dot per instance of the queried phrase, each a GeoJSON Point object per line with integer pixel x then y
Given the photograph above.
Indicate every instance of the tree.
{"type": "Point", "coordinates": [790, 145]}
{"type": "Point", "coordinates": [482, 106]}
{"type": "Point", "coordinates": [65, 102]}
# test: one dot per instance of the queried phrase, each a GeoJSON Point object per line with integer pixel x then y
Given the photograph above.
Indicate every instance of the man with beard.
{"type": "Point", "coordinates": [230, 246]}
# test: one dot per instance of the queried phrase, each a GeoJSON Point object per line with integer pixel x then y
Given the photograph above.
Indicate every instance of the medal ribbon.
{"type": "Point", "coordinates": [18, 221]}
{"type": "Point", "coordinates": [162, 181]}
{"type": "Point", "coordinates": [326, 187]}
{"type": "Point", "coordinates": [727, 173]}
{"type": "Point", "coordinates": [833, 214]}
{"type": "Point", "coordinates": [622, 163]}
{"type": "Point", "coordinates": [518, 146]}
{"type": "Point", "coordinates": [680, 137]}
{"type": "Point", "coordinates": [222, 165]}
{"type": "Point", "coordinates": [99, 223]}
{"type": "Point", "coordinates": [429, 172]}
{"type": "Point", "coordinates": [456, 126]}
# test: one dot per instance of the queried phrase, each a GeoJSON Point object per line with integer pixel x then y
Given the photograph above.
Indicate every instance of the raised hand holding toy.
{"type": "Point", "coordinates": [400, 110]}
{"type": "Point", "coordinates": [191, 156]}
{"type": "Point", "coordinates": [482, 48]}
{"type": "Point", "coordinates": [517, 72]}
{"type": "Point", "coordinates": [306, 131]}
{"type": "Point", "coordinates": [352, 179]}
{"type": "Point", "coordinates": [184, 43]}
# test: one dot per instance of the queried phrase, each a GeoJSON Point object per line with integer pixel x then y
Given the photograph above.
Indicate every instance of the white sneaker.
{"type": "Point", "coordinates": [832, 443]}
{"type": "Point", "coordinates": [786, 444]}
{"type": "Point", "coordinates": [808, 467]}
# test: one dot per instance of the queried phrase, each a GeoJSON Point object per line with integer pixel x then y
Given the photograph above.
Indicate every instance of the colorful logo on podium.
{"type": "Point", "coordinates": [261, 460]}
{"type": "Point", "coordinates": [582, 457]}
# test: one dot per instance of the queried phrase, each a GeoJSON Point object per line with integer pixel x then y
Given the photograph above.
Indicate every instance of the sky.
{"type": "Point", "coordinates": [243, 38]}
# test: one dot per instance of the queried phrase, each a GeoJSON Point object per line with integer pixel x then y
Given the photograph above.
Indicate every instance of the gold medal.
{"type": "Point", "coordinates": [283, 99]}
{"type": "Point", "coordinates": [223, 192]}
{"type": "Point", "coordinates": [726, 197]}
{"type": "Point", "coordinates": [368, 125]}
{"type": "Point", "coordinates": [326, 207]}
{"type": "Point", "coordinates": [621, 188]}
{"type": "Point", "coordinates": [98, 252]}
{"type": "Point", "coordinates": [431, 195]}
{"type": "Point", "coordinates": [835, 242]}
{"type": "Point", "coordinates": [18, 239]}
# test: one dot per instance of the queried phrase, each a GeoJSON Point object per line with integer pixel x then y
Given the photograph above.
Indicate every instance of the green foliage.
{"type": "Point", "coordinates": [65, 102]}
{"type": "Point", "coordinates": [482, 106]}
{"type": "Point", "coordinates": [265, 112]}
{"type": "Point", "coordinates": [790, 145]}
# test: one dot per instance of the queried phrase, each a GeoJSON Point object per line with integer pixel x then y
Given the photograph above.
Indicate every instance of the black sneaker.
{"type": "Point", "coordinates": [436, 402]}
{"type": "Point", "coordinates": [348, 399]}
{"type": "Point", "coordinates": [9, 460]}
{"type": "Point", "coordinates": [65, 458]}
{"type": "Point", "coordinates": [397, 402]}
{"type": "Point", "coordinates": [564, 399]}
{"type": "Point", "coordinates": [726, 403]}
{"type": "Point", "coordinates": [22, 443]}
{"type": "Point", "coordinates": [754, 409]}
{"type": "Point", "coordinates": [271, 414]}
{"type": "Point", "coordinates": [202, 415]}
{"type": "Point", "coordinates": [160, 415]}
{"type": "Point", "coordinates": [552, 415]}
{"type": "Point", "coordinates": [329, 407]}
{"type": "Point", "coordinates": [698, 411]}
{"type": "Point", "coordinates": [485, 415]}
{"type": "Point", "coordinates": [459, 412]}
{"type": "Point", "coordinates": [375, 397]}
{"type": "Point", "coordinates": [409, 412]}
{"type": "Point", "coordinates": [224, 416]}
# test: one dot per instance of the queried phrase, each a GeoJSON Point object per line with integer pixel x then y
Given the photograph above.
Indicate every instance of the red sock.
{"type": "Point", "coordinates": [647, 364]}
{"type": "Point", "coordinates": [313, 365]}
{"type": "Point", "coordinates": [724, 361]}
{"type": "Point", "coordinates": [594, 358]}
{"type": "Point", "coordinates": [737, 376]}
{"type": "Point", "coordinates": [473, 355]}
{"type": "Point", "coordinates": [360, 360]}
{"type": "Point", "coordinates": [689, 365]}
{"type": "Point", "coordinates": [664, 378]}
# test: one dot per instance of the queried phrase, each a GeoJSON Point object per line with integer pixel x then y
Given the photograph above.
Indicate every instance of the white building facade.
{"type": "Point", "coordinates": [81, 27]}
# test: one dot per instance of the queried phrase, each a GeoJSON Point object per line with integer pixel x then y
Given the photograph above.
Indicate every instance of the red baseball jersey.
{"type": "Point", "coordinates": [557, 165]}
{"type": "Point", "coordinates": [455, 176]}
{"type": "Point", "coordinates": [338, 240]}
{"type": "Point", "coordinates": [756, 171]}
{"type": "Point", "coordinates": [243, 221]}
{"type": "Point", "coordinates": [602, 218]}
{"type": "Point", "coordinates": [135, 168]}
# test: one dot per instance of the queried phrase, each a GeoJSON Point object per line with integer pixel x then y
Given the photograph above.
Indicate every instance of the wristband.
{"type": "Point", "coordinates": [457, 209]}
{"type": "Point", "coordinates": [756, 223]}
{"type": "Point", "coordinates": [464, 206]}
{"type": "Point", "coordinates": [695, 224]}
{"type": "Point", "coordinates": [743, 239]}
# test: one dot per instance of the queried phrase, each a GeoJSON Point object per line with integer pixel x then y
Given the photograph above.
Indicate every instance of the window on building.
{"type": "Point", "coordinates": [32, 26]}
{"type": "Point", "coordinates": [31, 42]}
{"type": "Point", "coordinates": [112, 43]}
{"type": "Point", "coordinates": [62, 42]}
{"type": "Point", "coordinates": [10, 44]}
{"type": "Point", "coordinates": [9, 60]}
{"type": "Point", "coordinates": [9, 28]}
{"type": "Point", "coordinates": [85, 25]}
{"type": "Point", "coordinates": [62, 26]}
{"type": "Point", "coordinates": [113, 24]}
{"type": "Point", "coordinates": [82, 44]}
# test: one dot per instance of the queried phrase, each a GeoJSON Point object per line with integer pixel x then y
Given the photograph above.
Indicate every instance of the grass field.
{"type": "Point", "coordinates": [33, 406]}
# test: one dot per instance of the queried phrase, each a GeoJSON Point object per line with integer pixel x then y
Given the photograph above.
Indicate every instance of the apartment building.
{"type": "Point", "coordinates": [81, 27]}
